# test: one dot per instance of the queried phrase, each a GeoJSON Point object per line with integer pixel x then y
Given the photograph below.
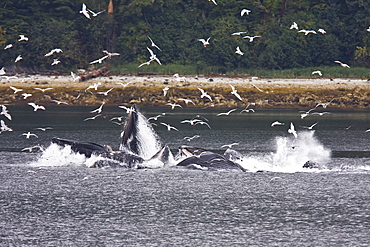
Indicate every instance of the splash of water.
{"type": "Point", "coordinates": [149, 144]}
{"type": "Point", "coordinates": [291, 154]}
{"type": "Point", "coordinates": [149, 141]}
{"type": "Point", "coordinates": [55, 155]}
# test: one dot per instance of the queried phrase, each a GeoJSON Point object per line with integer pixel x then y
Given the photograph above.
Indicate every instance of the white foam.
{"type": "Point", "coordinates": [149, 140]}
{"type": "Point", "coordinates": [290, 154]}
{"type": "Point", "coordinates": [55, 155]}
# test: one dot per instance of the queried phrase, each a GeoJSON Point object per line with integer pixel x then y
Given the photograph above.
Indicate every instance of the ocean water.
{"type": "Point", "coordinates": [51, 198]}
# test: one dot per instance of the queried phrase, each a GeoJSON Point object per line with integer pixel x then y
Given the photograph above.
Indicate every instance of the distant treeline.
{"type": "Point", "coordinates": [176, 25]}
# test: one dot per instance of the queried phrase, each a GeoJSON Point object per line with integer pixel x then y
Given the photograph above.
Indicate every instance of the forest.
{"type": "Point", "coordinates": [175, 26]}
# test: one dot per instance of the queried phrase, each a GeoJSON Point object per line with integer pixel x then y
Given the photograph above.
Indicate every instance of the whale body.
{"type": "Point", "coordinates": [136, 151]}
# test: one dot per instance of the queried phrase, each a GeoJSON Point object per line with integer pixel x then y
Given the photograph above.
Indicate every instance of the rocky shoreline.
{"type": "Point", "coordinates": [148, 91]}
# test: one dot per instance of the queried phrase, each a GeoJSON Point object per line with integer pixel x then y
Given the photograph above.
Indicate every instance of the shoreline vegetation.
{"type": "Point", "coordinates": [147, 90]}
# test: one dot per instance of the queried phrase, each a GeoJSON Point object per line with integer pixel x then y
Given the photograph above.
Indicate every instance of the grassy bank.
{"type": "Point", "coordinates": [170, 69]}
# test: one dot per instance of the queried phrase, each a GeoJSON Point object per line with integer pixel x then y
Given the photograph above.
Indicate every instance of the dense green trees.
{"type": "Point", "coordinates": [175, 26]}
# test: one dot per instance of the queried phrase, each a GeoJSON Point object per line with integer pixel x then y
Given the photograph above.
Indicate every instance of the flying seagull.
{"type": "Point", "coordinates": [30, 149]}
{"type": "Point", "coordinates": [99, 109]}
{"type": "Point", "coordinates": [169, 127]}
{"type": "Point", "coordinates": [234, 92]}
{"type": "Point", "coordinates": [276, 123]}
{"type": "Point", "coordinates": [145, 63]}
{"type": "Point", "coordinates": [92, 118]}
{"type": "Point", "coordinates": [322, 31]}
{"type": "Point", "coordinates": [43, 89]}
{"type": "Point", "coordinates": [155, 117]}
{"type": "Point", "coordinates": [36, 107]}
{"type": "Point", "coordinates": [256, 87]}
{"type": "Point", "coordinates": [310, 127]}
{"type": "Point", "coordinates": [55, 62]}
{"type": "Point", "coordinates": [204, 94]}
{"type": "Point", "coordinates": [173, 105]}
{"type": "Point", "coordinates": [5, 112]}
{"type": "Point", "coordinates": [238, 51]}
{"type": "Point", "coordinates": [153, 44]}
{"type": "Point", "coordinates": [26, 95]}
{"type": "Point", "coordinates": [165, 90]}
{"type": "Point", "coordinates": [317, 72]}
{"type": "Point", "coordinates": [16, 90]}
{"type": "Point", "coordinates": [75, 77]}
{"type": "Point", "coordinates": [94, 86]}
{"type": "Point", "coordinates": [56, 50]}
{"type": "Point", "coordinates": [230, 145]}
{"type": "Point", "coordinates": [245, 11]}
{"type": "Point", "coordinates": [111, 54]}
{"type": "Point", "coordinates": [238, 33]}
{"type": "Point", "coordinates": [179, 78]}
{"type": "Point", "coordinates": [8, 46]}
{"type": "Point", "coordinates": [191, 121]}
{"type": "Point", "coordinates": [4, 127]}
{"type": "Point", "coordinates": [294, 26]}
{"type": "Point", "coordinates": [84, 11]}
{"type": "Point", "coordinates": [251, 38]}
{"type": "Point", "coordinates": [213, 1]}
{"type": "Point", "coordinates": [29, 134]}
{"type": "Point", "coordinates": [95, 14]}
{"type": "Point", "coordinates": [106, 92]}
{"type": "Point", "coordinates": [226, 113]}
{"type": "Point", "coordinates": [320, 113]}
{"type": "Point", "coordinates": [344, 65]}
{"type": "Point", "coordinates": [247, 110]}
{"type": "Point", "coordinates": [188, 138]}
{"type": "Point", "coordinates": [22, 38]}
{"type": "Point", "coordinates": [2, 71]}
{"type": "Point", "coordinates": [292, 131]}
{"type": "Point", "coordinates": [44, 128]}
{"type": "Point", "coordinates": [306, 32]}
{"type": "Point", "coordinates": [324, 105]}
{"type": "Point", "coordinates": [187, 101]}
{"type": "Point", "coordinates": [203, 123]}
{"type": "Point", "coordinates": [205, 42]}
{"type": "Point", "coordinates": [59, 102]}
{"type": "Point", "coordinates": [17, 59]}
{"type": "Point", "coordinates": [100, 60]}
{"type": "Point", "coordinates": [123, 84]}
{"type": "Point", "coordinates": [153, 56]}
{"type": "Point", "coordinates": [128, 109]}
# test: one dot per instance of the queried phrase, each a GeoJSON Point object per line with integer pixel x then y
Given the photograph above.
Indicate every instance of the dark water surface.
{"type": "Point", "coordinates": [54, 202]}
{"type": "Point", "coordinates": [75, 206]}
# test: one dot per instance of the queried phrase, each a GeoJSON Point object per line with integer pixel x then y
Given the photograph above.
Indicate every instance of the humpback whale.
{"type": "Point", "coordinates": [140, 148]}
{"type": "Point", "coordinates": [199, 158]}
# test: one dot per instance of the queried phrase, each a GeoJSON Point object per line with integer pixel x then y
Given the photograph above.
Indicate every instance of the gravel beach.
{"type": "Point", "coordinates": [189, 81]}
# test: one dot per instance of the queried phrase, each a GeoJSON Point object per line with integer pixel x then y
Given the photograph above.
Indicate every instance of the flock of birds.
{"type": "Point", "coordinates": [22, 38]}
{"type": "Point", "coordinates": [197, 120]}
{"type": "Point", "coordinates": [206, 42]}
{"type": "Point", "coordinates": [88, 13]}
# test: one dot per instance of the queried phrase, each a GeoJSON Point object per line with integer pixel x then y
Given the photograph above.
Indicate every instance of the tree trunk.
{"type": "Point", "coordinates": [103, 71]}
{"type": "Point", "coordinates": [110, 7]}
